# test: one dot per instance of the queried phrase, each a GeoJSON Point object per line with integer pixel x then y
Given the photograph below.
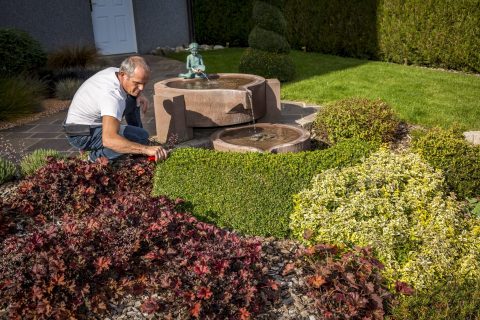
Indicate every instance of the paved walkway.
{"type": "Point", "coordinates": [47, 132]}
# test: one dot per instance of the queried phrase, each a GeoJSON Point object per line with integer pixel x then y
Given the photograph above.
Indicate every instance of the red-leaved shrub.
{"type": "Point", "coordinates": [95, 234]}
{"type": "Point", "coordinates": [345, 285]}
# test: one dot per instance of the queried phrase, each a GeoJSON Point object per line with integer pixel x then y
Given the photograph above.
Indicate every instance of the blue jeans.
{"type": "Point", "coordinates": [93, 142]}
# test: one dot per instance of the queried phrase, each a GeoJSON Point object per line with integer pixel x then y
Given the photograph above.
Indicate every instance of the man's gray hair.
{"type": "Point", "coordinates": [129, 64]}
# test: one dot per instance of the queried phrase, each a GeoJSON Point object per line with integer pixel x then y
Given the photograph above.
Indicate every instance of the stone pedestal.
{"type": "Point", "coordinates": [183, 104]}
{"type": "Point", "coordinates": [273, 112]}
{"type": "Point", "coordinates": [170, 118]}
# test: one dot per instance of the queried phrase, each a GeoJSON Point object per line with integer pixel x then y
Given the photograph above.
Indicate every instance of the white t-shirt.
{"type": "Point", "coordinates": [100, 95]}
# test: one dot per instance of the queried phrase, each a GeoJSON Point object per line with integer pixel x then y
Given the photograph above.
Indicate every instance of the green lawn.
{"type": "Point", "coordinates": [420, 96]}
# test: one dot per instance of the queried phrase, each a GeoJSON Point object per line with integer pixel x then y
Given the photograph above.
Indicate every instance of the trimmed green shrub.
{"type": "Point", "coordinates": [36, 160]}
{"type": "Point", "coordinates": [269, 17]}
{"type": "Point", "coordinates": [65, 89]}
{"type": "Point", "coordinates": [20, 96]}
{"type": "Point", "coordinates": [396, 204]}
{"type": "Point", "coordinates": [8, 170]}
{"type": "Point", "coordinates": [371, 120]}
{"type": "Point", "coordinates": [249, 192]}
{"type": "Point", "coordinates": [267, 40]}
{"type": "Point", "coordinates": [268, 53]}
{"type": "Point", "coordinates": [19, 52]}
{"type": "Point", "coordinates": [457, 158]}
{"type": "Point", "coordinates": [73, 57]}
{"type": "Point", "coordinates": [267, 65]}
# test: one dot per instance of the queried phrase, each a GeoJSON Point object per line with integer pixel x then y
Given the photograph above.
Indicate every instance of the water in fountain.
{"type": "Point", "coordinates": [205, 75]}
{"type": "Point", "coordinates": [264, 139]}
{"type": "Point", "coordinates": [220, 83]}
{"type": "Point", "coordinates": [250, 101]}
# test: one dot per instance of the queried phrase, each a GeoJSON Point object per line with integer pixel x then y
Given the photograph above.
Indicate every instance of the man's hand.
{"type": "Point", "coordinates": [158, 152]}
{"type": "Point", "coordinates": [142, 103]}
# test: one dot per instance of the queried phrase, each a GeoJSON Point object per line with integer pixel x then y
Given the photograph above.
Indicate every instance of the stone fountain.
{"type": "Point", "coordinates": [226, 100]}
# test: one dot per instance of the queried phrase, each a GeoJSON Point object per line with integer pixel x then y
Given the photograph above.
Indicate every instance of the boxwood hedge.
{"type": "Point", "coordinates": [249, 192]}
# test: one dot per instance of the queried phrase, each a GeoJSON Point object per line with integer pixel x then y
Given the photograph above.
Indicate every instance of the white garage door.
{"type": "Point", "coordinates": [113, 26]}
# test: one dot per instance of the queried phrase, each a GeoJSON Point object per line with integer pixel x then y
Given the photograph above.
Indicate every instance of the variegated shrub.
{"type": "Point", "coordinates": [396, 204]}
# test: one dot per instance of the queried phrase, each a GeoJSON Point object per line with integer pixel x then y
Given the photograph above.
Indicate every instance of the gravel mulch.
{"type": "Point", "coordinates": [294, 303]}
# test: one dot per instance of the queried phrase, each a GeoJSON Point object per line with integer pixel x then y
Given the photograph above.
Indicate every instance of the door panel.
{"type": "Point", "coordinates": [113, 26]}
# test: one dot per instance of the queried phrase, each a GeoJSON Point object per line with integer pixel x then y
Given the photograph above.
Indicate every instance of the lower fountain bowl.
{"type": "Point", "coordinates": [262, 137]}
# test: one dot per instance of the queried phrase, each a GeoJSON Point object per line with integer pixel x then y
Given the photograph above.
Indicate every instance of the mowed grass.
{"type": "Point", "coordinates": [423, 96]}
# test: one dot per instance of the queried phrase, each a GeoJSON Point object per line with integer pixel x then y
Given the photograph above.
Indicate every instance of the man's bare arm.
{"type": "Point", "coordinates": [112, 140]}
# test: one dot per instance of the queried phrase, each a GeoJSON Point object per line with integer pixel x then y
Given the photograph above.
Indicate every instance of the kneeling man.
{"type": "Point", "coordinates": [94, 116]}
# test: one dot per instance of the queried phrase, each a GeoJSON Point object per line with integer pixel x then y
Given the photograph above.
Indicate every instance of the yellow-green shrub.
{"type": "Point", "coordinates": [397, 205]}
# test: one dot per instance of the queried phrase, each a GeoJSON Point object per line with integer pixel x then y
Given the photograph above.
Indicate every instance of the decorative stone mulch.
{"type": "Point", "coordinates": [294, 303]}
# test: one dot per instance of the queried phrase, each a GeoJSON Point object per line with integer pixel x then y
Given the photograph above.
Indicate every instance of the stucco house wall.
{"type": "Point", "coordinates": [54, 23]}
{"type": "Point", "coordinates": [161, 23]}
{"type": "Point", "coordinates": [59, 23]}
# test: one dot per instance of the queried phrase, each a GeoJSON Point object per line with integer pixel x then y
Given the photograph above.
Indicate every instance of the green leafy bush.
{"type": "Point", "coordinates": [36, 160]}
{"type": "Point", "coordinates": [397, 205]}
{"type": "Point", "coordinates": [457, 158]}
{"type": "Point", "coordinates": [249, 192]}
{"type": "Point", "coordinates": [268, 53]}
{"type": "Point", "coordinates": [371, 120]}
{"type": "Point", "coordinates": [65, 89]}
{"type": "Point", "coordinates": [267, 64]}
{"type": "Point", "coordinates": [20, 96]}
{"type": "Point", "coordinates": [73, 56]}
{"type": "Point", "coordinates": [19, 52]}
{"type": "Point", "coordinates": [8, 170]}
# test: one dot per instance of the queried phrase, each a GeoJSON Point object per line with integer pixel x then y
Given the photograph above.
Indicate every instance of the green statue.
{"type": "Point", "coordinates": [195, 66]}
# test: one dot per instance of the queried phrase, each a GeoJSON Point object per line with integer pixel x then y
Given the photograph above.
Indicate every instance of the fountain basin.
{"type": "Point", "coordinates": [226, 99]}
{"type": "Point", "coordinates": [265, 137]}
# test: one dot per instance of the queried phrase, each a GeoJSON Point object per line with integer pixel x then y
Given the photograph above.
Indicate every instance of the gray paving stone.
{"type": "Point", "coordinates": [47, 135]}
{"type": "Point", "coordinates": [56, 144]}
{"type": "Point", "coordinates": [46, 128]}
{"type": "Point", "coordinates": [18, 135]}
{"type": "Point", "coordinates": [472, 136]}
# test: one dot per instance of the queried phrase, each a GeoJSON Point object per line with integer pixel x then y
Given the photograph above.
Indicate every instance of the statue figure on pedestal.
{"type": "Point", "coordinates": [195, 66]}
